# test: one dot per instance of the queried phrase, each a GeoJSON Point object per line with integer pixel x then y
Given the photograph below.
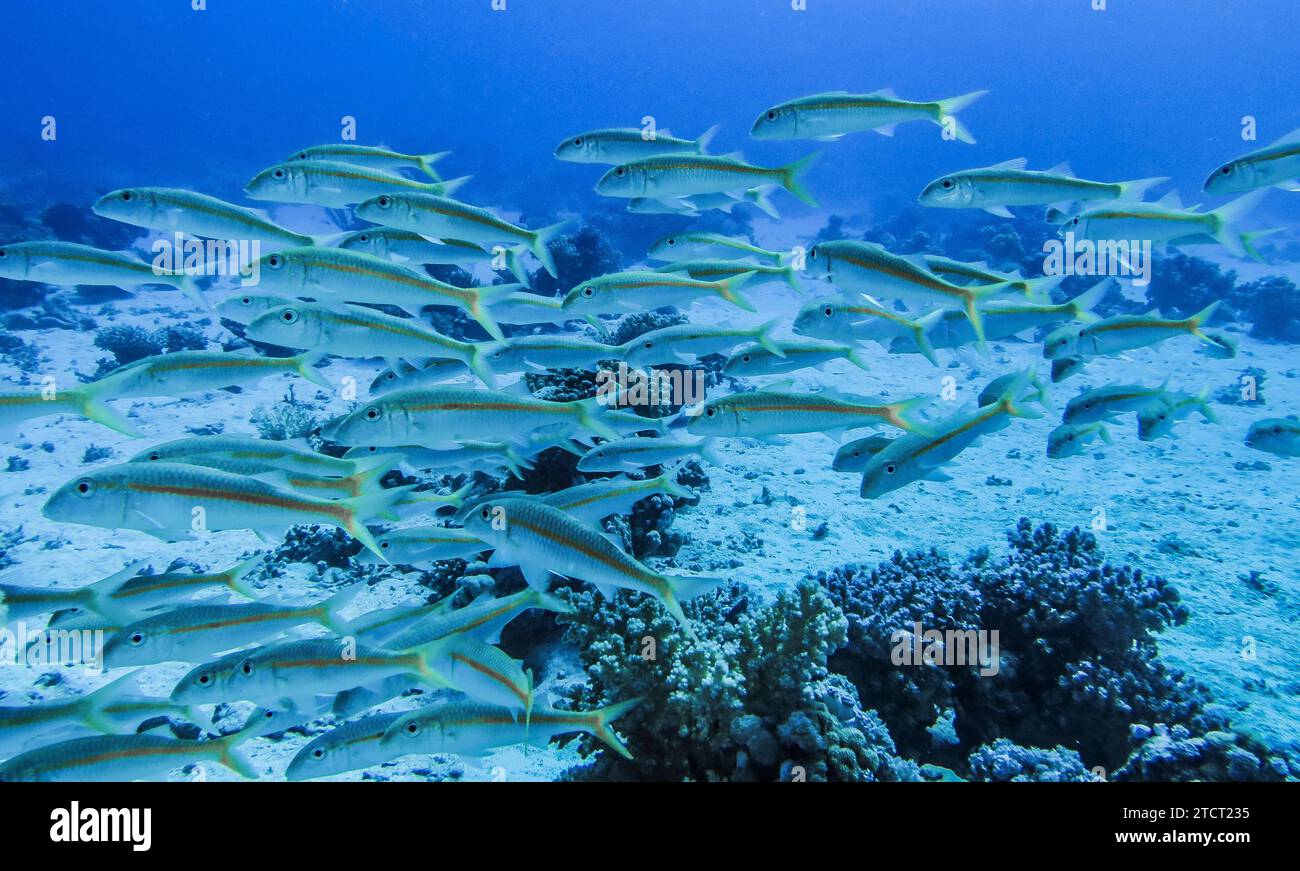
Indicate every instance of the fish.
{"type": "Point", "coordinates": [424, 545]}
{"type": "Point", "coordinates": [482, 619]}
{"type": "Point", "coordinates": [1064, 367]}
{"type": "Point", "coordinates": [1279, 436]}
{"type": "Point", "coordinates": [687, 343]}
{"type": "Point", "coordinates": [243, 308]}
{"type": "Point", "coordinates": [978, 273]}
{"type": "Point", "coordinates": [1104, 403]}
{"type": "Point", "coordinates": [713, 270]}
{"type": "Point", "coordinates": [778, 411]}
{"type": "Point", "coordinates": [992, 392]}
{"type": "Point", "coordinates": [19, 602]}
{"type": "Point", "coordinates": [439, 415]}
{"type": "Point", "coordinates": [624, 144]}
{"type": "Point", "coordinates": [335, 184]}
{"type": "Point", "coordinates": [1122, 333]}
{"type": "Point", "coordinates": [376, 627]}
{"type": "Point", "coordinates": [1276, 164]}
{"type": "Point", "coordinates": [161, 499]}
{"type": "Point", "coordinates": [196, 632]}
{"type": "Point", "coordinates": [700, 203]}
{"type": "Point", "coordinates": [920, 456]}
{"type": "Point", "coordinates": [123, 758]}
{"type": "Point", "coordinates": [403, 246]}
{"type": "Point", "coordinates": [829, 116]}
{"type": "Point", "coordinates": [868, 268]}
{"type": "Point", "coordinates": [347, 747]}
{"type": "Point", "coordinates": [291, 674]}
{"type": "Point", "coordinates": [542, 540]}
{"type": "Point", "coordinates": [181, 372]}
{"type": "Point", "coordinates": [523, 308]}
{"type": "Point", "coordinates": [1008, 183]}
{"type": "Point", "coordinates": [1221, 346]}
{"type": "Point", "coordinates": [1158, 418]}
{"type": "Point", "coordinates": [843, 320]}
{"type": "Point", "coordinates": [1070, 439]}
{"type": "Point", "coordinates": [467, 457]}
{"type": "Point", "coordinates": [338, 275]}
{"type": "Point", "coordinates": [853, 456]}
{"type": "Point", "coordinates": [621, 292]}
{"type": "Point", "coordinates": [470, 729]}
{"type": "Point", "coordinates": [248, 455]}
{"type": "Point", "coordinates": [596, 500]}
{"type": "Point", "coordinates": [23, 727]}
{"type": "Point", "coordinates": [86, 400]}
{"type": "Point", "coordinates": [684, 247]}
{"type": "Point", "coordinates": [440, 217]}
{"type": "Point", "coordinates": [537, 353]}
{"type": "Point", "coordinates": [634, 454]}
{"type": "Point", "coordinates": [195, 214]}
{"type": "Point", "coordinates": [482, 671]}
{"type": "Point", "coordinates": [1165, 223]}
{"type": "Point", "coordinates": [359, 331]}
{"type": "Point", "coordinates": [139, 593]}
{"type": "Point", "coordinates": [375, 157]}
{"type": "Point", "coordinates": [669, 176]}
{"type": "Point", "coordinates": [403, 375]}
{"type": "Point", "coordinates": [751, 360]}
{"type": "Point", "coordinates": [69, 263]}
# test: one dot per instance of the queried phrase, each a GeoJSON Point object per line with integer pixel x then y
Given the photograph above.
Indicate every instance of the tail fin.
{"type": "Point", "coordinates": [972, 297]}
{"type": "Point", "coordinates": [764, 337]}
{"type": "Point", "coordinates": [1203, 405]}
{"type": "Point", "coordinates": [359, 509]}
{"type": "Point", "coordinates": [667, 483]}
{"type": "Point", "coordinates": [330, 617]}
{"type": "Point", "coordinates": [188, 286]}
{"type": "Point", "coordinates": [1137, 188]}
{"type": "Point", "coordinates": [455, 499]}
{"type": "Point", "coordinates": [478, 364]}
{"type": "Point", "coordinates": [791, 277]}
{"type": "Point", "coordinates": [538, 241]}
{"type": "Point", "coordinates": [1010, 398]}
{"type": "Point", "coordinates": [550, 602]}
{"type": "Point", "coordinates": [1197, 320]}
{"type": "Point", "coordinates": [478, 310]}
{"type": "Point", "coordinates": [602, 717]}
{"type": "Point", "coordinates": [856, 359]}
{"type": "Point", "coordinates": [224, 751]}
{"type": "Point", "coordinates": [94, 704]}
{"type": "Point", "coordinates": [1082, 305]}
{"type": "Point", "coordinates": [706, 138]}
{"type": "Point", "coordinates": [758, 198]}
{"type": "Point", "coordinates": [790, 178]}
{"type": "Point", "coordinates": [305, 365]}
{"type": "Point", "coordinates": [90, 403]}
{"type": "Point", "coordinates": [921, 335]}
{"type": "Point", "coordinates": [451, 185]}
{"type": "Point", "coordinates": [948, 110]}
{"type": "Point", "coordinates": [1248, 242]}
{"type": "Point", "coordinates": [589, 412]}
{"type": "Point", "coordinates": [727, 290]}
{"type": "Point", "coordinates": [235, 576]}
{"type": "Point", "coordinates": [681, 588]}
{"type": "Point", "coordinates": [1227, 218]}
{"type": "Point", "coordinates": [903, 414]}
{"type": "Point", "coordinates": [515, 264]}
{"type": "Point", "coordinates": [1042, 287]}
{"type": "Point", "coordinates": [426, 162]}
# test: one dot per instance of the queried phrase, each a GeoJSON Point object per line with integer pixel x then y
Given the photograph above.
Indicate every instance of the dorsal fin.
{"type": "Point", "coordinates": [1289, 138]}
{"type": "Point", "coordinates": [1013, 163]}
{"type": "Point", "coordinates": [1170, 200]}
{"type": "Point", "coordinates": [887, 93]}
{"type": "Point", "coordinates": [1062, 168]}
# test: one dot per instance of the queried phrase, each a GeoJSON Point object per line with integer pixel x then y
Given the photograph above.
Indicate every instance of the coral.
{"type": "Point", "coordinates": [578, 256]}
{"type": "Point", "coordinates": [1272, 305]}
{"type": "Point", "coordinates": [1174, 753]}
{"type": "Point", "coordinates": [1004, 761]}
{"type": "Point", "coordinates": [1182, 285]}
{"type": "Point", "coordinates": [290, 418]}
{"type": "Point", "coordinates": [10, 539]}
{"type": "Point", "coordinates": [94, 453]}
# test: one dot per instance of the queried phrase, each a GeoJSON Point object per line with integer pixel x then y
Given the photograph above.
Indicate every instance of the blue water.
{"type": "Point", "coordinates": [160, 94]}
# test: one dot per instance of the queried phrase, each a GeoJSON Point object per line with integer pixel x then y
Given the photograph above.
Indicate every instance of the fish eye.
{"type": "Point", "coordinates": [828, 311]}
{"type": "Point", "coordinates": [126, 196]}
{"type": "Point", "coordinates": [813, 253]}
{"type": "Point", "coordinates": [1087, 405]}
{"type": "Point", "coordinates": [649, 345]}
{"type": "Point", "coordinates": [390, 376]}
{"type": "Point", "coordinates": [486, 512]}
{"type": "Point", "coordinates": [279, 173]}
{"type": "Point", "coordinates": [771, 114]}
{"type": "Point", "coordinates": [384, 202]}
{"type": "Point", "coordinates": [289, 316]}
{"type": "Point", "coordinates": [2, 252]}
{"type": "Point", "coordinates": [85, 487]}
{"type": "Point", "coordinates": [588, 291]}
{"type": "Point", "coordinates": [136, 639]}
{"type": "Point", "coordinates": [1277, 430]}
{"type": "Point", "coordinates": [275, 261]}
{"type": "Point", "coordinates": [155, 456]}
{"type": "Point", "coordinates": [204, 679]}
{"type": "Point", "coordinates": [577, 141]}
{"type": "Point", "coordinates": [891, 469]}
{"type": "Point", "coordinates": [1163, 416]}
{"type": "Point", "coordinates": [383, 545]}
{"type": "Point", "coordinates": [374, 413]}
{"type": "Point", "coordinates": [412, 728]}
{"type": "Point", "coordinates": [246, 667]}
{"type": "Point", "coordinates": [246, 300]}
{"type": "Point", "coordinates": [318, 753]}
{"type": "Point", "coordinates": [302, 155]}
{"type": "Point", "coordinates": [620, 171]}
{"type": "Point", "coordinates": [710, 411]}
{"type": "Point", "coordinates": [1074, 221]}
{"type": "Point", "coordinates": [1227, 169]}
{"type": "Point", "coordinates": [746, 358]}
{"type": "Point", "coordinates": [671, 242]}
{"type": "Point", "coordinates": [364, 237]}
{"type": "Point", "coordinates": [946, 183]}
{"type": "Point", "coordinates": [1070, 437]}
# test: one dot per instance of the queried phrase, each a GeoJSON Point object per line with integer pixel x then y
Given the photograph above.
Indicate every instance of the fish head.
{"type": "Point", "coordinates": [96, 499]}
{"type": "Point", "coordinates": [778, 122]}
{"type": "Point", "coordinates": [1064, 367]}
{"type": "Point", "coordinates": [818, 262]}
{"type": "Point", "coordinates": [1061, 342]}
{"type": "Point", "coordinates": [244, 308]}
{"type": "Point", "coordinates": [391, 210]}
{"type": "Point", "coordinates": [283, 183]}
{"type": "Point", "coordinates": [378, 423]}
{"type": "Point", "coordinates": [138, 644]}
{"type": "Point", "coordinates": [322, 757]}
{"type": "Point", "coordinates": [713, 419]}
{"type": "Point", "coordinates": [1234, 177]}
{"type": "Point", "coordinates": [1155, 420]}
{"type": "Point", "coordinates": [671, 248]}
{"type": "Point", "coordinates": [1269, 435]}
{"type": "Point", "coordinates": [854, 456]}
{"type": "Point", "coordinates": [295, 325]}
{"type": "Point", "coordinates": [1065, 441]}
{"type": "Point", "coordinates": [384, 381]}
{"type": "Point", "coordinates": [625, 180]}
{"type": "Point", "coordinates": [950, 191]}
{"type": "Point", "coordinates": [367, 242]}
{"type": "Point", "coordinates": [490, 521]}
{"type": "Point", "coordinates": [583, 299]}
{"type": "Point", "coordinates": [414, 730]}
{"type": "Point", "coordinates": [884, 473]}
{"type": "Point", "coordinates": [823, 319]}
{"type": "Point", "coordinates": [1056, 216]}
{"type": "Point", "coordinates": [129, 205]}
{"type": "Point", "coordinates": [13, 261]}
{"type": "Point", "coordinates": [578, 149]}
{"type": "Point", "coordinates": [207, 684]}
{"type": "Point", "coordinates": [283, 273]}
{"type": "Point", "coordinates": [749, 360]}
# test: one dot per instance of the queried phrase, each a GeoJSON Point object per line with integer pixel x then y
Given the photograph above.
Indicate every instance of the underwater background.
{"type": "Point", "coordinates": [1144, 592]}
